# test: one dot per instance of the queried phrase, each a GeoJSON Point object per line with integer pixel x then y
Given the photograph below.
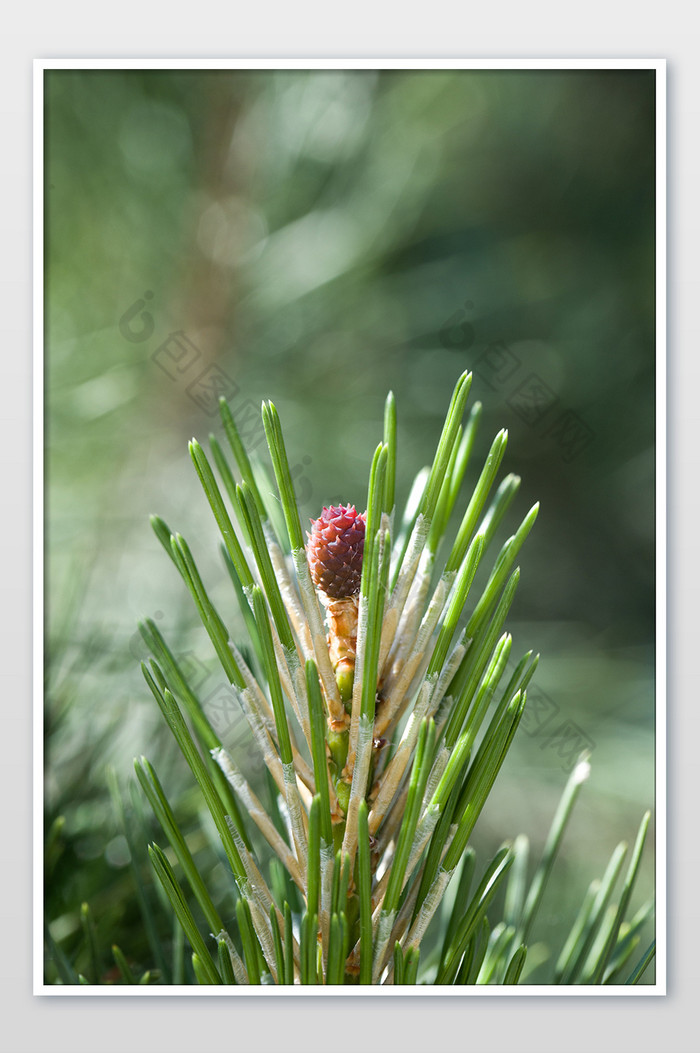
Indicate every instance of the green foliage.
{"type": "Point", "coordinates": [365, 839]}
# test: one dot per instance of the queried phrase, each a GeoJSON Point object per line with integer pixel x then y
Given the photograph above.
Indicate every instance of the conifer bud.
{"type": "Point", "coordinates": [335, 550]}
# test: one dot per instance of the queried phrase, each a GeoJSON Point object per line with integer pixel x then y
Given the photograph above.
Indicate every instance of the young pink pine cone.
{"type": "Point", "coordinates": [335, 549]}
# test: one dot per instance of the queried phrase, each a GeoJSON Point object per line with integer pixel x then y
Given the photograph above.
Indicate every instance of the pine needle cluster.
{"type": "Point", "coordinates": [384, 713]}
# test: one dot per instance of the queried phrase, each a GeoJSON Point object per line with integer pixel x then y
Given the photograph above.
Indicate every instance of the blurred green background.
{"type": "Point", "coordinates": [319, 238]}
